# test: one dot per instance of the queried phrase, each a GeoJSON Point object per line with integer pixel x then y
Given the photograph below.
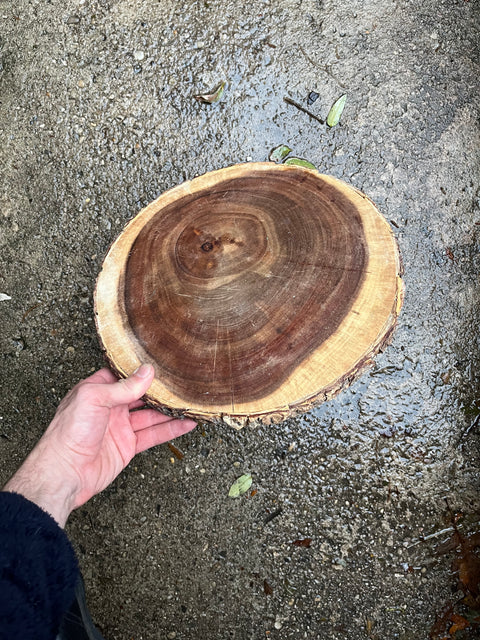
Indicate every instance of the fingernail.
{"type": "Point", "coordinates": [143, 371]}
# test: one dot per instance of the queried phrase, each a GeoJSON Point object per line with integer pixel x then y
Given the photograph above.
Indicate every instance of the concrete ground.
{"type": "Point", "coordinates": [97, 118]}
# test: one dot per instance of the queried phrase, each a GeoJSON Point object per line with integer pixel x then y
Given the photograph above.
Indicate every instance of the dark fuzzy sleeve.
{"type": "Point", "coordinates": [38, 571]}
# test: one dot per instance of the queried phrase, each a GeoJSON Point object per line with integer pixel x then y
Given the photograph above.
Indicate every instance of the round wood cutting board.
{"type": "Point", "coordinates": [256, 291]}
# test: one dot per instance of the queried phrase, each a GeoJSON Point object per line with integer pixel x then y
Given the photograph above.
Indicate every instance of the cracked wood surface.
{"type": "Point", "coordinates": [256, 291]}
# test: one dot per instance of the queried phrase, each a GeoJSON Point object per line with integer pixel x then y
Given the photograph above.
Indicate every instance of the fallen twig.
{"type": "Point", "coordinates": [433, 535]}
{"type": "Point", "coordinates": [273, 515]}
{"type": "Point", "coordinates": [299, 106]}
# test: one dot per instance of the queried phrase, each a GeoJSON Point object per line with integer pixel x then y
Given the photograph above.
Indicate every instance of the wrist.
{"type": "Point", "coordinates": [45, 485]}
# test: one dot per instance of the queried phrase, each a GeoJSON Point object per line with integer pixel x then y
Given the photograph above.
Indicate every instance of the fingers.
{"type": "Point", "coordinates": [147, 418]}
{"type": "Point", "coordinates": [128, 390]}
{"type": "Point", "coordinates": [136, 405]}
{"type": "Point", "coordinates": [160, 433]}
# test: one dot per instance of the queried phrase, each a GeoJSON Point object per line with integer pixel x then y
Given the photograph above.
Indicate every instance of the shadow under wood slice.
{"type": "Point", "coordinates": [256, 291]}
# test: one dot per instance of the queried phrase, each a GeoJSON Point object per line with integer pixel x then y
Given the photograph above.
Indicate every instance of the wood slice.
{"type": "Point", "coordinates": [256, 291]}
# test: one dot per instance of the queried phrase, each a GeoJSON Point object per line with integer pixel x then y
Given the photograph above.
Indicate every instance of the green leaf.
{"type": "Point", "coordinates": [299, 162]}
{"type": "Point", "coordinates": [279, 153]}
{"type": "Point", "coordinates": [215, 96]}
{"type": "Point", "coordinates": [336, 111]}
{"type": "Point", "coordinates": [241, 485]}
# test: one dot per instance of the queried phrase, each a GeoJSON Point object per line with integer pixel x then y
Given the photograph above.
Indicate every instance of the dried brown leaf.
{"type": "Point", "coordinates": [306, 542]}
{"type": "Point", "coordinates": [459, 623]}
{"type": "Point", "coordinates": [267, 589]}
{"type": "Point", "coordinates": [176, 451]}
{"type": "Point", "coordinates": [214, 96]}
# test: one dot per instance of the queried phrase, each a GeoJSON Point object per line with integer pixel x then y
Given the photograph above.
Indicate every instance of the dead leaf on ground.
{"type": "Point", "coordinates": [459, 623]}
{"type": "Point", "coordinates": [466, 565]}
{"type": "Point", "coordinates": [442, 623]}
{"type": "Point", "coordinates": [300, 162]}
{"type": "Point", "coordinates": [240, 486]}
{"type": "Point", "coordinates": [306, 542]}
{"type": "Point", "coordinates": [279, 153]}
{"type": "Point", "coordinates": [214, 96]}
{"type": "Point", "coordinates": [176, 451]}
{"type": "Point", "coordinates": [466, 562]}
{"type": "Point", "coordinates": [336, 111]}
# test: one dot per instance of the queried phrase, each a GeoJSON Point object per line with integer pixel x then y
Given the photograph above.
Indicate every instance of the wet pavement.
{"type": "Point", "coordinates": [97, 118]}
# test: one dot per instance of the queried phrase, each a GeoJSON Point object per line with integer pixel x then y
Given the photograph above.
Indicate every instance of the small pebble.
{"type": "Point", "coordinates": [172, 635]}
{"type": "Point", "coordinates": [73, 20]}
{"type": "Point", "coordinates": [81, 84]}
{"type": "Point", "coordinates": [19, 343]}
{"type": "Point", "coordinates": [139, 55]}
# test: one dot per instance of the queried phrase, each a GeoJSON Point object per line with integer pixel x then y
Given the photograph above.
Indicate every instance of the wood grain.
{"type": "Point", "coordinates": [256, 291]}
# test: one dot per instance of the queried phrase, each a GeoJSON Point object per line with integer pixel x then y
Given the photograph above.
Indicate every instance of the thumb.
{"type": "Point", "coordinates": [129, 389]}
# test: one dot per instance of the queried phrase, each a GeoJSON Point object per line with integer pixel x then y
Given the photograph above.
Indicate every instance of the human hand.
{"type": "Point", "coordinates": [92, 437]}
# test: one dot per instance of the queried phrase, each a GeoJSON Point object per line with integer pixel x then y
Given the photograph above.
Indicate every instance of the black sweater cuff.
{"type": "Point", "coordinates": [38, 570]}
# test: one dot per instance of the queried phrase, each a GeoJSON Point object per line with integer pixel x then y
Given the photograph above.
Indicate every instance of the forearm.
{"type": "Point", "coordinates": [44, 484]}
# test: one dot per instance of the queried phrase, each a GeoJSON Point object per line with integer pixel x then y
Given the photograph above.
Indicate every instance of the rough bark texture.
{"type": "Point", "coordinates": [256, 291]}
